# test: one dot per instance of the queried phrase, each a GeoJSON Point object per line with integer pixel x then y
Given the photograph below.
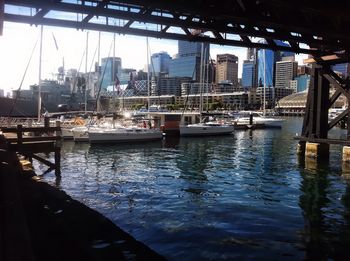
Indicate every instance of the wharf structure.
{"type": "Point", "coordinates": [317, 28]}
{"type": "Point", "coordinates": [41, 222]}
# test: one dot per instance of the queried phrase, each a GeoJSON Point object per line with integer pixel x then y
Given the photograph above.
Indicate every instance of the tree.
{"type": "Point", "coordinates": [137, 106]}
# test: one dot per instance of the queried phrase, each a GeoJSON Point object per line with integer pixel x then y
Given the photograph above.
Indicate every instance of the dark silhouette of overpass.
{"type": "Point", "coordinates": [319, 28]}
{"type": "Point", "coordinates": [315, 27]}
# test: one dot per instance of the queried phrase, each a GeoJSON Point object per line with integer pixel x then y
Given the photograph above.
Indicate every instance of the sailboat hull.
{"type": "Point", "coordinates": [124, 135]}
{"type": "Point", "coordinates": [205, 130]}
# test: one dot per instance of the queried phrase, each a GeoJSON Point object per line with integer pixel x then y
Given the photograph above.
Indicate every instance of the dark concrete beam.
{"type": "Point", "coordinates": [144, 32]}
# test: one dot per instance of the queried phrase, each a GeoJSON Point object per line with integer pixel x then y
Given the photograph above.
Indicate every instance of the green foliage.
{"type": "Point", "coordinates": [137, 106]}
{"type": "Point", "coordinates": [172, 107]}
{"type": "Point", "coordinates": [215, 105]}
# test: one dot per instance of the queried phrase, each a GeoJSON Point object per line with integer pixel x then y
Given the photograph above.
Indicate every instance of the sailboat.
{"type": "Point", "coordinates": [205, 128]}
{"type": "Point", "coordinates": [243, 117]}
{"type": "Point", "coordinates": [117, 134]}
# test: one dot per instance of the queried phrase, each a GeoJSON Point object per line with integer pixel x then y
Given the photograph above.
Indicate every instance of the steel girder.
{"type": "Point", "coordinates": [308, 26]}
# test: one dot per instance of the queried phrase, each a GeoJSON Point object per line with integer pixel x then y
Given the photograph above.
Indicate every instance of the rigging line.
{"type": "Point", "coordinates": [92, 63]}
{"type": "Point", "coordinates": [76, 78]}
{"type": "Point", "coordinates": [23, 77]}
{"type": "Point", "coordinates": [188, 93]}
{"type": "Point", "coordinates": [101, 79]}
{"type": "Point", "coordinates": [157, 78]}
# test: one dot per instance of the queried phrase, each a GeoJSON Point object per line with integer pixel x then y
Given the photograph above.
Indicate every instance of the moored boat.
{"type": "Point", "coordinates": [123, 134]}
{"type": "Point", "coordinates": [243, 117]}
{"type": "Point", "coordinates": [206, 129]}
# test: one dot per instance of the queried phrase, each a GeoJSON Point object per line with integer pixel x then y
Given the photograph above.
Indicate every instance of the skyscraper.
{"type": "Point", "coordinates": [249, 74]}
{"type": "Point", "coordinates": [160, 63]}
{"type": "Point", "coordinates": [343, 69]}
{"type": "Point", "coordinates": [286, 71]}
{"type": "Point", "coordinates": [227, 68]}
{"type": "Point", "coordinates": [266, 65]}
{"type": "Point", "coordinates": [267, 61]}
{"type": "Point", "coordinates": [107, 74]}
{"type": "Point", "coordinates": [187, 63]}
{"type": "Point", "coordinates": [251, 54]}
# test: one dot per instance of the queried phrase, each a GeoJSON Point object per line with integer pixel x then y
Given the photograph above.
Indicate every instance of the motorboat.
{"type": "Point", "coordinates": [124, 134]}
{"type": "Point", "coordinates": [206, 129]}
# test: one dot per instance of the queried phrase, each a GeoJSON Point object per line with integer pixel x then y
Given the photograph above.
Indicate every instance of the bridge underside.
{"type": "Point", "coordinates": [315, 27]}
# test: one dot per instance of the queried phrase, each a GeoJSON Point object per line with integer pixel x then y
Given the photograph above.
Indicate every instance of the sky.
{"type": "Point", "coordinates": [18, 41]}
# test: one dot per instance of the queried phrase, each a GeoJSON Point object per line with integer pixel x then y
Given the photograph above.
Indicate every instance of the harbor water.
{"type": "Point", "coordinates": [243, 196]}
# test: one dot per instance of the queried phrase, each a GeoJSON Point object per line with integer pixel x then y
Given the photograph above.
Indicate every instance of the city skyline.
{"type": "Point", "coordinates": [18, 40]}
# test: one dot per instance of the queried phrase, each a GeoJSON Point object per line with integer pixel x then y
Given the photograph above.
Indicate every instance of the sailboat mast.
{"type": "Point", "coordinates": [98, 68]}
{"type": "Point", "coordinates": [86, 71]}
{"type": "Point", "coordinates": [40, 60]}
{"type": "Point", "coordinates": [264, 58]}
{"type": "Point", "coordinates": [148, 65]}
{"type": "Point", "coordinates": [201, 80]}
{"type": "Point", "coordinates": [113, 68]}
{"type": "Point", "coordinates": [207, 81]}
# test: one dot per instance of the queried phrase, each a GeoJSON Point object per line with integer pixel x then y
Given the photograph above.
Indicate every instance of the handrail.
{"type": "Point", "coordinates": [30, 129]}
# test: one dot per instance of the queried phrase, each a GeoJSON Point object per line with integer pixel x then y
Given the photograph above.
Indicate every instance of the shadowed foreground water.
{"type": "Point", "coordinates": [240, 196]}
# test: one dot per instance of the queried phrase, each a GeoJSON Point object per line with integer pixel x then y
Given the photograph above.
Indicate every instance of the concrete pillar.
{"type": "Point", "coordinates": [301, 148]}
{"type": "Point", "coordinates": [346, 170]}
{"type": "Point", "coordinates": [311, 164]}
{"type": "Point", "coordinates": [346, 154]}
{"type": "Point", "coordinates": [317, 150]}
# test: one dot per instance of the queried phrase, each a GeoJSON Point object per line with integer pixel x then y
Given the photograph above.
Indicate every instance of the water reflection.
{"type": "Point", "coordinates": [326, 232]}
{"type": "Point", "coordinates": [246, 191]}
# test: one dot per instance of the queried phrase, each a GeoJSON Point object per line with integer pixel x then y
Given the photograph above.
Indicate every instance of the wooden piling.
{"type": "Point", "coordinates": [346, 154]}
{"type": "Point", "coordinates": [317, 150]}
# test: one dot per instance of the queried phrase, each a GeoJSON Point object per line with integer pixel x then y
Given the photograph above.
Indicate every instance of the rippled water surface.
{"type": "Point", "coordinates": [244, 196]}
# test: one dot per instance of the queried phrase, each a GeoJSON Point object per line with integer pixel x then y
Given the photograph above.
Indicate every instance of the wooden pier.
{"type": "Point", "coordinates": [31, 141]}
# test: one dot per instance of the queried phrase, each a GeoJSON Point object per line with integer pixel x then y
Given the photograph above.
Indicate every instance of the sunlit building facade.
{"type": "Point", "coordinates": [107, 67]}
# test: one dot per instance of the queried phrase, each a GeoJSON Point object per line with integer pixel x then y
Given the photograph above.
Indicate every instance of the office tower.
{"type": "Point", "coordinates": [304, 69]}
{"type": "Point", "coordinates": [160, 63]}
{"type": "Point", "coordinates": [343, 69]}
{"type": "Point", "coordinates": [188, 61]}
{"type": "Point", "coordinates": [227, 68]}
{"type": "Point", "coordinates": [302, 82]}
{"type": "Point", "coordinates": [249, 74]}
{"type": "Point", "coordinates": [168, 86]}
{"type": "Point", "coordinates": [251, 54]}
{"type": "Point", "coordinates": [286, 71]}
{"type": "Point", "coordinates": [107, 74]}
{"type": "Point", "coordinates": [267, 62]}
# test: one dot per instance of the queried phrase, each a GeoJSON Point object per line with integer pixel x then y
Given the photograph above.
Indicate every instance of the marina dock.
{"type": "Point", "coordinates": [41, 222]}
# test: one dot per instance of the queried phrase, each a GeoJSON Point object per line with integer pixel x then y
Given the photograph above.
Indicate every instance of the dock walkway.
{"type": "Point", "coordinates": [41, 222]}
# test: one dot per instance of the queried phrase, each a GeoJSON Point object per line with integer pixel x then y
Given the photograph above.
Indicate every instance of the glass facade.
{"type": "Point", "coordinates": [248, 74]}
{"type": "Point", "coordinates": [185, 67]}
{"type": "Point", "coordinates": [107, 70]}
{"type": "Point", "coordinates": [343, 68]}
{"type": "Point", "coordinates": [160, 63]}
{"type": "Point", "coordinates": [187, 63]}
{"type": "Point", "coordinates": [302, 82]}
{"type": "Point", "coordinates": [267, 60]}
{"type": "Point", "coordinates": [186, 48]}
{"type": "Point", "coordinates": [271, 58]}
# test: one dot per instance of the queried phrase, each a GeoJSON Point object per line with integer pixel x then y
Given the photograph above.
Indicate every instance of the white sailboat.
{"type": "Point", "coordinates": [119, 133]}
{"type": "Point", "coordinates": [205, 128]}
{"type": "Point", "coordinates": [123, 134]}
{"type": "Point", "coordinates": [243, 118]}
